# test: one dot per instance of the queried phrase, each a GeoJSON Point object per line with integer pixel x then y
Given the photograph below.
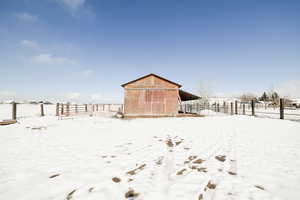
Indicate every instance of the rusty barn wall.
{"type": "Point", "coordinates": [151, 96]}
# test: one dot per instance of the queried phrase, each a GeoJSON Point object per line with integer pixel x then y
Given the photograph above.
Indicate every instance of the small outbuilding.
{"type": "Point", "coordinates": [152, 95]}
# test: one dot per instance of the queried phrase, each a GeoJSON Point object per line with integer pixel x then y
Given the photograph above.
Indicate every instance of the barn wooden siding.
{"type": "Point", "coordinates": [151, 96]}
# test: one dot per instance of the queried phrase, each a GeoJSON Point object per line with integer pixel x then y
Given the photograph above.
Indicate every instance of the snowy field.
{"type": "Point", "coordinates": [216, 157]}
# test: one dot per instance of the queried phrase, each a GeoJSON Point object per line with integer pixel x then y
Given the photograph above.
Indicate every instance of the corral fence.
{"type": "Point", "coordinates": [76, 109]}
{"type": "Point", "coordinates": [16, 111]}
{"type": "Point", "coordinates": [252, 108]}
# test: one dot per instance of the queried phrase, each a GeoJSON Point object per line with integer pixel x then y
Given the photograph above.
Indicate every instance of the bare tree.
{"type": "Point", "coordinates": [205, 90]}
{"type": "Point", "coordinates": [247, 97]}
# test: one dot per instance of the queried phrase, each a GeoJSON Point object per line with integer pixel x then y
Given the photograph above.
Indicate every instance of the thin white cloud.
{"type": "Point", "coordinates": [72, 5]}
{"type": "Point", "coordinates": [51, 59]}
{"type": "Point", "coordinates": [27, 17]}
{"type": "Point", "coordinates": [289, 89]}
{"type": "Point", "coordinates": [73, 95]}
{"type": "Point", "coordinates": [87, 73]}
{"type": "Point", "coordinates": [30, 44]}
{"type": "Point", "coordinates": [77, 8]}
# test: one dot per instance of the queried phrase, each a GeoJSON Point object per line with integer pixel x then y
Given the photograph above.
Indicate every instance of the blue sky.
{"type": "Point", "coordinates": [83, 50]}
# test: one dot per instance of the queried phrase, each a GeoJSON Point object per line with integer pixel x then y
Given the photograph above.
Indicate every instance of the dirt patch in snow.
{"type": "Point", "coordinates": [178, 142]}
{"type": "Point", "coordinates": [194, 167]}
{"type": "Point", "coordinates": [200, 197]}
{"type": "Point", "coordinates": [198, 161]}
{"type": "Point", "coordinates": [259, 187]}
{"type": "Point", "coordinates": [192, 157]}
{"type": "Point", "coordinates": [70, 195]}
{"type": "Point", "coordinates": [140, 168]}
{"type": "Point", "coordinates": [169, 143]}
{"type": "Point", "coordinates": [180, 172]}
{"type": "Point", "coordinates": [202, 169]}
{"type": "Point", "coordinates": [159, 160]}
{"type": "Point", "coordinates": [131, 193]}
{"type": "Point", "coordinates": [221, 158]}
{"type": "Point", "coordinates": [54, 175]}
{"type": "Point", "coordinates": [38, 128]}
{"type": "Point", "coordinates": [211, 185]}
{"type": "Point", "coordinates": [232, 173]}
{"type": "Point", "coordinates": [116, 179]}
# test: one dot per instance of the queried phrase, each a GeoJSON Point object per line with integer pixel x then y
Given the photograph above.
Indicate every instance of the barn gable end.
{"type": "Point", "coordinates": [151, 81]}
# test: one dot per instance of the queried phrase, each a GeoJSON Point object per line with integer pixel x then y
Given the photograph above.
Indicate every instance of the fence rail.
{"type": "Point", "coordinates": [282, 111]}
{"type": "Point", "coordinates": [16, 111]}
{"type": "Point", "coordinates": [74, 109]}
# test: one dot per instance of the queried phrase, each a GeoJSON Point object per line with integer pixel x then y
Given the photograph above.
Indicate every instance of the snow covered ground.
{"type": "Point", "coordinates": [217, 157]}
{"type": "Point", "coordinates": [25, 110]}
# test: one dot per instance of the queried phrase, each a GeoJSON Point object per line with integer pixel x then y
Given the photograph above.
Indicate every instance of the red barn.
{"type": "Point", "coordinates": [152, 95]}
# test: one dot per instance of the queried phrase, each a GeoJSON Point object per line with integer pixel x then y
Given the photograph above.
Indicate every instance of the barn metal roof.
{"type": "Point", "coordinates": [151, 75]}
{"type": "Point", "coordinates": [186, 96]}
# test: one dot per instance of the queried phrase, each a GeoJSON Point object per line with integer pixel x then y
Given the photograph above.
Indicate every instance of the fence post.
{"type": "Point", "coordinates": [97, 106]}
{"type": "Point", "coordinates": [76, 108]}
{"type": "Point", "coordinates": [57, 109]}
{"type": "Point", "coordinates": [86, 107]}
{"type": "Point", "coordinates": [281, 108]}
{"type": "Point", "coordinates": [218, 107]}
{"type": "Point", "coordinates": [14, 111]}
{"type": "Point", "coordinates": [244, 112]}
{"type": "Point", "coordinates": [231, 108]}
{"type": "Point", "coordinates": [68, 109]}
{"type": "Point", "coordinates": [236, 107]}
{"type": "Point", "coordinates": [253, 107]}
{"type": "Point", "coordinates": [42, 110]}
{"type": "Point", "coordinates": [62, 109]}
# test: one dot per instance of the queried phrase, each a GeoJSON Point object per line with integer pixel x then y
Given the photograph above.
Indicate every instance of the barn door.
{"type": "Point", "coordinates": [158, 101]}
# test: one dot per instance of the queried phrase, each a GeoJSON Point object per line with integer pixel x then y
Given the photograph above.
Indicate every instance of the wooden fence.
{"type": "Point", "coordinates": [58, 110]}
{"type": "Point", "coordinates": [76, 109]}
{"type": "Point", "coordinates": [281, 111]}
